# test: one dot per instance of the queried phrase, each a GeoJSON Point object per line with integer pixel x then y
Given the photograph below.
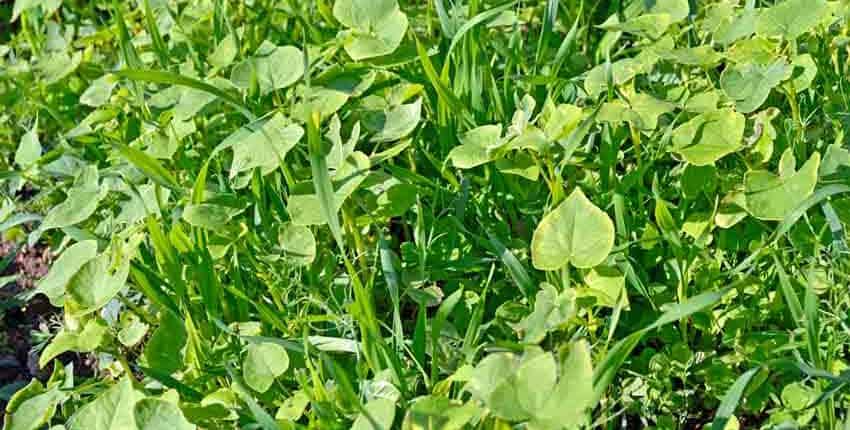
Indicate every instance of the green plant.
{"type": "Point", "coordinates": [379, 214]}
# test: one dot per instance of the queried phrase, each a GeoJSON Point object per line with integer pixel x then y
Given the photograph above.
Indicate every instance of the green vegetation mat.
{"type": "Point", "coordinates": [426, 214]}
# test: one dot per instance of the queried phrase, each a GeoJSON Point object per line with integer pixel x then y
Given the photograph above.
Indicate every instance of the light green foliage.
{"type": "Point", "coordinates": [772, 197]}
{"type": "Point", "coordinates": [576, 232]}
{"type": "Point", "coordinates": [709, 136]}
{"type": "Point", "coordinates": [263, 363]}
{"type": "Point", "coordinates": [421, 215]}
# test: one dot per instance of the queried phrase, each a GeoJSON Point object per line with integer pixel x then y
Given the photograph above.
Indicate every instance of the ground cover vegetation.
{"type": "Point", "coordinates": [401, 214]}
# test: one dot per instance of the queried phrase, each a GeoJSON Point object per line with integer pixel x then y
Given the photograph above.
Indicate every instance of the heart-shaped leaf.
{"type": "Point", "coordinates": [576, 232]}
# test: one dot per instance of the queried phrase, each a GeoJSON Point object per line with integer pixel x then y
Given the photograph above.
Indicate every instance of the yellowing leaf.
{"type": "Point", "coordinates": [576, 232]}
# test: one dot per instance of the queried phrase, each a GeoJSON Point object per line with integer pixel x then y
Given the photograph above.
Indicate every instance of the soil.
{"type": "Point", "coordinates": [18, 320]}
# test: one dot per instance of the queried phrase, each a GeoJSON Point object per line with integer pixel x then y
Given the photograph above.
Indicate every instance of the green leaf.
{"type": "Point", "coordinates": [791, 18]}
{"type": "Point", "coordinates": [111, 410]}
{"type": "Point", "coordinates": [156, 414]}
{"type": "Point", "coordinates": [81, 202]}
{"type": "Point", "coordinates": [263, 363]}
{"type": "Point", "coordinates": [98, 281]}
{"type": "Point", "coordinates": [88, 339]}
{"type": "Point", "coordinates": [31, 407]}
{"type": "Point", "coordinates": [132, 330]}
{"type": "Point", "coordinates": [224, 53]}
{"type": "Point", "coordinates": [749, 84]}
{"type": "Point", "coordinates": [381, 410]}
{"type": "Point", "coordinates": [56, 66]}
{"type": "Point", "coordinates": [709, 136]}
{"type": "Point", "coordinates": [567, 405]}
{"type": "Point", "coordinates": [265, 148]}
{"type": "Point", "coordinates": [772, 197]}
{"type": "Point", "coordinates": [273, 67]}
{"type": "Point", "coordinates": [376, 27]}
{"type": "Point", "coordinates": [149, 166]}
{"type": "Point", "coordinates": [576, 232]}
{"type": "Point", "coordinates": [607, 284]}
{"type": "Point", "coordinates": [395, 123]}
{"type": "Point", "coordinates": [29, 149]}
{"type": "Point", "coordinates": [209, 215]}
{"type": "Point", "coordinates": [432, 413]}
{"type": "Point", "coordinates": [63, 269]}
{"type": "Point", "coordinates": [805, 70]}
{"type": "Point", "coordinates": [99, 91]}
{"type": "Point", "coordinates": [551, 309]}
{"type": "Point", "coordinates": [307, 209]}
{"type": "Point", "coordinates": [476, 146]}
{"type": "Point", "coordinates": [297, 243]}
{"type": "Point", "coordinates": [163, 351]}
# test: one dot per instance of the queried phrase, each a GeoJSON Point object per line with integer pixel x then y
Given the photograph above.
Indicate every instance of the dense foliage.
{"type": "Point", "coordinates": [470, 214]}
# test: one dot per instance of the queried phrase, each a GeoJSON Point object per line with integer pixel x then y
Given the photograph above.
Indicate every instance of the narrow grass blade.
{"type": "Point", "coordinates": [149, 166]}
{"type": "Point", "coordinates": [169, 78]}
{"type": "Point", "coordinates": [731, 399]}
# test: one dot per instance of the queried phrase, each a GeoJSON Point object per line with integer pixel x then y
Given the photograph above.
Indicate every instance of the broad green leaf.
{"type": "Point", "coordinates": [709, 136]}
{"type": "Point", "coordinates": [476, 146]}
{"type": "Point", "coordinates": [297, 243]}
{"type": "Point", "coordinates": [132, 330]}
{"type": "Point", "coordinates": [576, 232]}
{"type": "Point", "coordinates": [805, 71]}
{"type": "Point", "coordinates": [791, 18]}
{"type": "Point", "coordinates": [835, 161]}
{"type": "Point", "coordinates": [520, 164]}
{"type": "Point", "coordinates": [56, 66]}
{"type": "Point", "coordinates": [607, 284]}
{"type": "Point", "coordinates": [156, 414]}
{"type": "Point", "coordinates": [29, 149]}
{"type": "Point", "coordinates": [551, 309]}
{"type": "Point", "coordinates": [703, 56]}
{"type": "Point", "coordinates": [88, 339]}
{"type": "Point", "coordinates": [31, 407]}
{"type": "Point", "coordinates": [80, 203]}
{"type": "Point", "coordinates": [209, 215]}
{"type": "Point", "coordinates": [649, 25]}
{"type": "Point", "coordinates": [750, 84]}
{"type": "Point", "coordinates": [99, 279]}
{"type": "Point", "coordinates": [732, 210]}
{"type": "Point", "coordinates": [47, 7]}
{"type": "Point", "coordinates": [163, 351]}
{"type": "Point", "coordinates": [111, 410]}
{"type": "Point", "coordinates": [394, 123]}
{"type": "Point", "coordinates": [273, 68]}
{"type": "Point", "coordinates": [376, 27]}
{"type": "Point", "coordinates": [622, 71]}
{"type": "Point", "coordinates": [99, 91]}
{"type": "Point", "coordinates": [293, 407]}
{"type": "Point", "coordinates": [263, 363]}
{"type": "Point", "coordinates": [264, 148]}
{"type": "Point", "coordinates": [772, 197]}
{"type": "Point", "coordinates": [566, 406]}
{"type": "Point", "coordinates": [382, 412]}
{"type": "Point", "coordinates": [739, 26]}
{"type": "Point", "coordinates": [224, 53]}
{"type": "Point", "coordinates": [536, 376]}
{"type": "Point", "coordinates": [766, 133]}
{"type": "Point", "coordinates": [697, 180]}
{"type": "Point", "coordinates": [642, 110]}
